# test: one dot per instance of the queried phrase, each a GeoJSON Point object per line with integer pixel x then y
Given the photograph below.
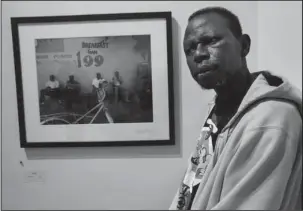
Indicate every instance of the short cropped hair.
{"type": "Point", "coordinates": [234, 23]}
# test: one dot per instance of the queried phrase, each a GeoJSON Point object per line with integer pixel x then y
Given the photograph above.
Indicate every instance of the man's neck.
{"type": "Point", "coordinates": [235, 85]}
{"type": "Point", "coordinates": [230, 95]}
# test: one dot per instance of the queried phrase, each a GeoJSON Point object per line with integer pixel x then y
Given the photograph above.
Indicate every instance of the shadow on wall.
{"type": "Point", "coordinates": [130, 152]}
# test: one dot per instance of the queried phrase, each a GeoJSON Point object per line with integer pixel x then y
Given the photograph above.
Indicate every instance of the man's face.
{"type": "Point", "coordinates": [212, 51]}
{"type": "Point", "coordinates": [52, 78]}
{"type": "Point", "coordinates": [71, 78]}
{"type": "Point", "coordinates": [98, 76]}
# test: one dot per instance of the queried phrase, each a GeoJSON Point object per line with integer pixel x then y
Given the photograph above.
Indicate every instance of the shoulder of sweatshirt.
{"type": "Point", "coordinates": [273, 115]}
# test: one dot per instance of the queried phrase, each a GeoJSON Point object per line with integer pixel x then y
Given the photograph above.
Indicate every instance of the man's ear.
{"type": "Point", "coordinates": [245, 45]}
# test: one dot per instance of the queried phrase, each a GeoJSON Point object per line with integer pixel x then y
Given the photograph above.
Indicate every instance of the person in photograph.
{"type": "Point", "coordinates": [98, 83]}
{"type": "Point", "coordinates": [72, 91]}
{"type": "Point", "coordinates": [52, 89]}
{"type": "Point", "coordinates": [119, 93]}
{"type": "Point", "coordinates": [256, 162]}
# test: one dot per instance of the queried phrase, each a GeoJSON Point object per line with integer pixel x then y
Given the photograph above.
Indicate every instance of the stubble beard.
{"type": "Point", "coordinates": [209, 83]}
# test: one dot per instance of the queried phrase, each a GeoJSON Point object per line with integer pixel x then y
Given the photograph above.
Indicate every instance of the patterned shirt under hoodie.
{"type": "Point", "coordinates": [197, 164]}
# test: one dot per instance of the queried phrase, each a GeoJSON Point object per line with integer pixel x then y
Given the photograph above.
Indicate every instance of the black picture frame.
{"type": "Point", "coordinates": [16, 21]}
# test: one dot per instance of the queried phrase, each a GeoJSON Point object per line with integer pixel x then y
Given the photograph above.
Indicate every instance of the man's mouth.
{"type": "Point", "coordinates": [204, 69]}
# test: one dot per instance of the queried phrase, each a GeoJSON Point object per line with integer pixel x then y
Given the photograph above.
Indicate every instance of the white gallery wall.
{"type": "Point", "coordinates": [133, 177]}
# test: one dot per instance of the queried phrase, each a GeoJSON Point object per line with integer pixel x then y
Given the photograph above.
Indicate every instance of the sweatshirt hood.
{"type": "Point", "coordinates": [267, 86]}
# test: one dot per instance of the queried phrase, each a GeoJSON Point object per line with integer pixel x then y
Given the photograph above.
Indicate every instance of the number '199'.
{"type": "Point", "coordinates": [89, 60]}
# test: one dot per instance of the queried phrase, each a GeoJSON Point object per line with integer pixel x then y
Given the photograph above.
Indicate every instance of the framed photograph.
{"type": "Point", "coordinates": [94, 80]}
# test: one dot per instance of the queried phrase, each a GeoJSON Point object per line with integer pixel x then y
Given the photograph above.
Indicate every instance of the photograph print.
{"type": "Point", "coordinates": [94, 80]}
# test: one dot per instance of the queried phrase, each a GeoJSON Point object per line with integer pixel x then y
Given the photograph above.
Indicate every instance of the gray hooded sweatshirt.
{"type": "Point", "coordinates": [257, 160]}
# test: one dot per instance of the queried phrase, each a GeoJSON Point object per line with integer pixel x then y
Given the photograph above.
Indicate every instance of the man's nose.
{"type": "Point", "coordinates": [201, 54]}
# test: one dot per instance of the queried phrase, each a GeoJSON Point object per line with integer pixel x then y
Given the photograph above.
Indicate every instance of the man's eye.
{"type": "Point", "coordinates": [214, 40]}
{"type": "Point", "coordinates": [189, 51]}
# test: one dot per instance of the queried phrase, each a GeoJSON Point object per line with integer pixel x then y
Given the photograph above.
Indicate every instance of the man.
{"type": "Point", "coordinates": [98, 83]}
{"type": "Point", "coordinates": [72, 91]}
{"type": "Point", "coordinates": [52, 89]}
{"type": "Point", "coordinates": [253, 133]}
{"type": "Point", "coordinates": [118, 90]}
